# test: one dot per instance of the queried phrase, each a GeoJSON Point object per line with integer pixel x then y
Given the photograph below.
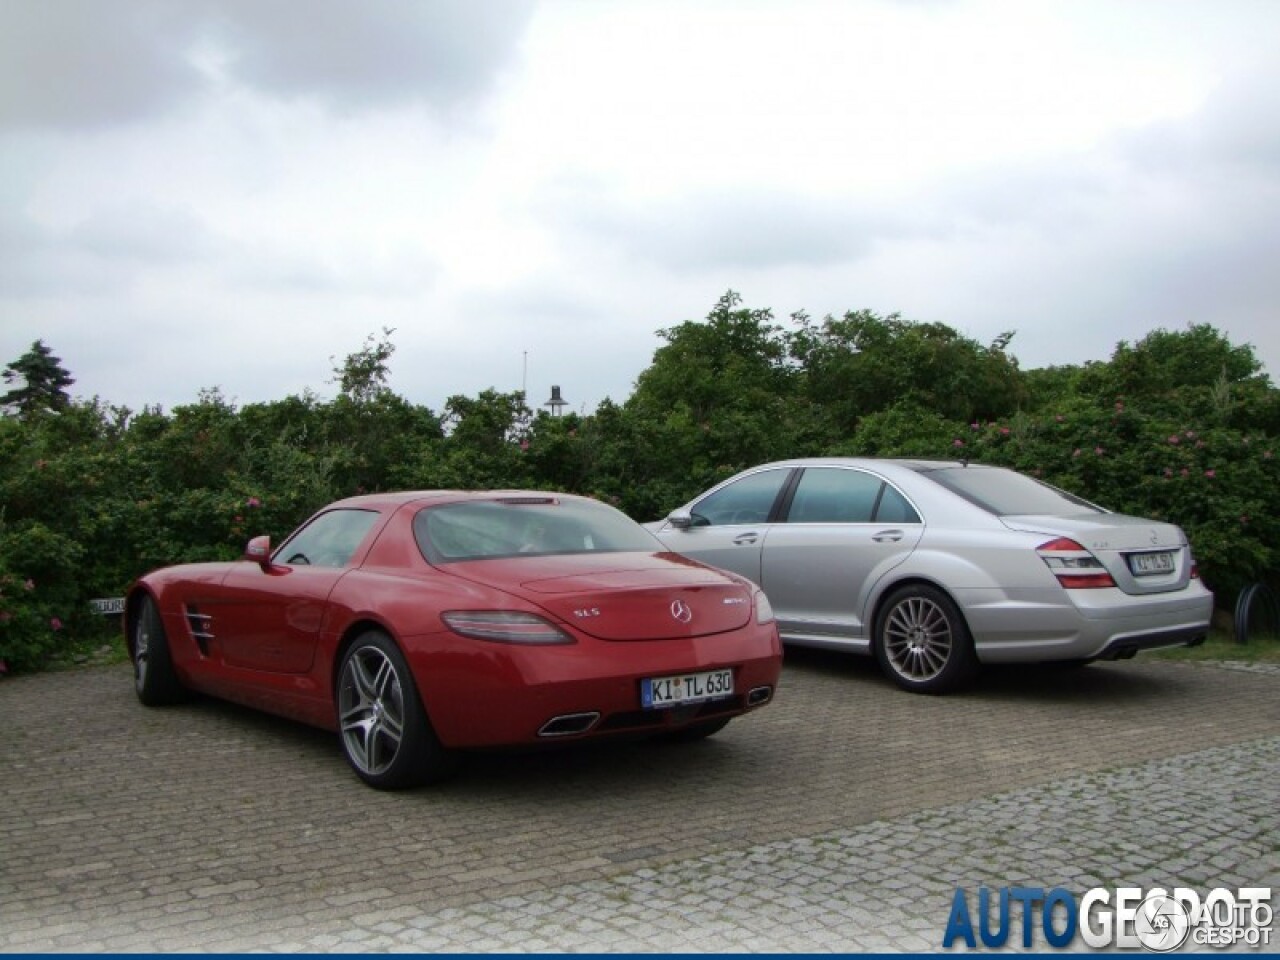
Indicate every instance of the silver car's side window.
{"type": "Point", "coordinates": [831, 495]}
{"type": "Point", "coordinates": [894, 508]}
{"type": "Point", "coordinates": [748, 500]}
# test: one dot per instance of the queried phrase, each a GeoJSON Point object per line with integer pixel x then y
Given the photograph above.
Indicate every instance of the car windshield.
{"type": "Point", "coordinates": [1008, 493]}
{"type": "Point", "coordinates": [526, 526]}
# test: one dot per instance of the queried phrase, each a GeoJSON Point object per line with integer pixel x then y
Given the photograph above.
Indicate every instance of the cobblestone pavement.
{"type": "Point", "coordinates": [842, 818]}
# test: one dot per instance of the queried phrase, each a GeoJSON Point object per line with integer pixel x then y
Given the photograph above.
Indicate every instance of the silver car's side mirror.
{"type": "Point", "coordinates": [681, 519]}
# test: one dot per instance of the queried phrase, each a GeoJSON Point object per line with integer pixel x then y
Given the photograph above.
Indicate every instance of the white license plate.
{"type": "Point", "coordinates": [1146, 564]}
{"type": "Point", "coordinates": [657, 692]}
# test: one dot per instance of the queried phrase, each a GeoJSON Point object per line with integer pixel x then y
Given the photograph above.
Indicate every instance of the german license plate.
{"type": "Point", "coordinates": [658, 692]}
{"type": "Point", "coordinates": [1147, 564]}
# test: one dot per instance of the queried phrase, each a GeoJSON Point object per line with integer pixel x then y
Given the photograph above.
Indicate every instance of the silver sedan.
{"type": "Point", "coordinates": [936, 567]}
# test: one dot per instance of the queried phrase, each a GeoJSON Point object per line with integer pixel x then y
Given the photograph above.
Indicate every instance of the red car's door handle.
{"type": "Point", "coordinates": [743, 539]}
{"type": "Point", "coordinates": [888, 536]}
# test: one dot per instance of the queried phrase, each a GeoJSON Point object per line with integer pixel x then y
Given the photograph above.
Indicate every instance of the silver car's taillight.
{"type": "Point", "coordinates": [764, 609]}
{"type": "Point", "coordinates": [1074, 566]}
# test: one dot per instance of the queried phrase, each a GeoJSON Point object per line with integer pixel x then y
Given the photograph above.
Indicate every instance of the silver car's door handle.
{"type": "Point", "coordinates": [888, 536]}
{"type": "Point", "coordinates": [743, 539]}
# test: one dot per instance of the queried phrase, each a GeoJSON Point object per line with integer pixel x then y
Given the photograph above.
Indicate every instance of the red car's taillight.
{"type": "Point", "coordinates": [505, 626]}
{"type": "Point", "coordinates": [1074, 566]}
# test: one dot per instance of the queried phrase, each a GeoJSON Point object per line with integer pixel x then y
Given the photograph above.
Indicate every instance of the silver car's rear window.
{"type": "Point", "coordinates": [1007, 493]}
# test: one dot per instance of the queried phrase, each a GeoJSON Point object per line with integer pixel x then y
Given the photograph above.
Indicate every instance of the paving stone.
{"type": "Point", "coordinates": [842, 818]}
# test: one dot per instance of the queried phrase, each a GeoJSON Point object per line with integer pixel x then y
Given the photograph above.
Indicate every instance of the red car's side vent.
{"type": "Point", "coordinates": [201, 627]}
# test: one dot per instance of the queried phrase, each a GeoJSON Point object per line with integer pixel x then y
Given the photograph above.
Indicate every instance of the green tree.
{"type": "Point", "coordinates": [43, 382]}
{"type": "Point", "coordinates": [862, 363]}
{"type": "Point", "coordinates": [719, 395]}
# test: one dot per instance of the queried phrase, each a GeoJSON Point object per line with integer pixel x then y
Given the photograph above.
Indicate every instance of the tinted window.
{"type": "Point", "coordinates": [834, 496]}
{"type": "Point", "coordinates": [1007, 493]}
{"type": "Point", "coordinates": [329, 540]}
{"type": "Point", "coordinates": [748, 500]}
{"type": "Point", "coordinates": [831, 495]}
{"type": "Point", "coordinates": [894, 508]}
{"type": "Point", "coordinates": [526, 527]}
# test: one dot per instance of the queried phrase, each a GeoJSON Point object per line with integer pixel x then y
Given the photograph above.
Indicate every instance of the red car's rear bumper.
{"type": "Point", "coordinates": [479, 693]}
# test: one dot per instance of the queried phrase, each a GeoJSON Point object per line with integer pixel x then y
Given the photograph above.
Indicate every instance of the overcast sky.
{"type": "Point", "coordinates": [236, 193]}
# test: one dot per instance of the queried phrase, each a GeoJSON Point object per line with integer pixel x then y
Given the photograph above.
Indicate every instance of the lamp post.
{"type": "Point", "coordinates": [557, 402]}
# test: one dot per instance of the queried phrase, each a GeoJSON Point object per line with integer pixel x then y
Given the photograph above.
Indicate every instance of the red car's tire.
{"type": "Point", "coordinates": [154, 679]}
{"type": "Point", "coordinates": [383, 727]}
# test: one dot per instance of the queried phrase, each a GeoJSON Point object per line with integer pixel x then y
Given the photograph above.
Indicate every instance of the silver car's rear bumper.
{"type": "Point", "coordinates": [1086, 624]}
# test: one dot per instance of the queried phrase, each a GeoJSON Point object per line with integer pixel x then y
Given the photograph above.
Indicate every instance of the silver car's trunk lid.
{"type": "Point", "coordinates": [1142, 556]}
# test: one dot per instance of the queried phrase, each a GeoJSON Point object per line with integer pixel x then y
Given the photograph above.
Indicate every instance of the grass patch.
{"type": "Point", "coordinates": [1222, 645]}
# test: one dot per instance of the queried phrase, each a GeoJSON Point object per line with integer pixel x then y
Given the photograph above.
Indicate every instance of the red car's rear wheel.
{"type": "Point", "coordinates": [385, 733]}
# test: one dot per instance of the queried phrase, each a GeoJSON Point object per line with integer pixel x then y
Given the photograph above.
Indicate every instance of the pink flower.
{"type": "Point", "coordinates": [1174, 439]}
{"type": "Point", "coordinates": [1004, 431]}
{"type": "Point", "coordinates": [1097, 451]}
{"type": "Point", "coordinates": [524, 444]}
{"type": "Point", "coordinates": [1210, 474]}
{"type": "Point", "coordinates": [55, 624]}
{"type": "Point", "coordinates": [28, 585]}
{"type": "Point", "coordinates": [957, 442]}
{"type": "Point", "coordinates": [974, 425]}
{"type": "Point", "coordinates": [1191, 434]}
{"type": "Point", "coordinates": [1185, 472]}
{"type": "Point", "coordinates": [253, 502]}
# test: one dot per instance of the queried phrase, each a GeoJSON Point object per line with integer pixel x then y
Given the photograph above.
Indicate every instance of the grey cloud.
{"type": "Point", "coordinates": [83, 63]}
{"type": "Point", "coordinates": [74, 63]}
{"type": "Point", "coordinates": [1236, 131]}
{"type": "Point", "coordinates": [350, 54]}
{"type": "Point", "coordinates": [749, 230]}
{"type": "Point", "coordinates": [100, 254]}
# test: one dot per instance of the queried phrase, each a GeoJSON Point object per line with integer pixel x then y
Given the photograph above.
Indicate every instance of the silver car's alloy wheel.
{"type": "Point", "coordinates": [918, 638]}
{"type": "Point", "coordinates": [371, 710]}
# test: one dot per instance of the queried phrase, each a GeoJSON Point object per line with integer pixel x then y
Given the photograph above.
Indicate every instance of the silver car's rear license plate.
{"type": "Point", "coordinates": [1148, 564]}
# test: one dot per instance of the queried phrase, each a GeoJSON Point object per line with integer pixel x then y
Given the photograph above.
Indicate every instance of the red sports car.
{"type": "Point", "coordinates": [417, 624]}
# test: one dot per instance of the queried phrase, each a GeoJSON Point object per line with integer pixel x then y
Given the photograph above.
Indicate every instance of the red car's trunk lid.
{"type": "Point", "coordinates": [623, 596]}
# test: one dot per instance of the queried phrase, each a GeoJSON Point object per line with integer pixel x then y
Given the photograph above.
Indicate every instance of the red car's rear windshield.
{"type": "Point", "coordinates": [526, 526]}
{"type": "Point", "coordinates": [1007, 493]}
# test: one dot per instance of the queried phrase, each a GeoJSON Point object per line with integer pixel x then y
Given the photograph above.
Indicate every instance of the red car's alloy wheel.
{"type": "Point", "coordinates": [371, 707]}
{"type": "Point", "coordinates": [384, 729]}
